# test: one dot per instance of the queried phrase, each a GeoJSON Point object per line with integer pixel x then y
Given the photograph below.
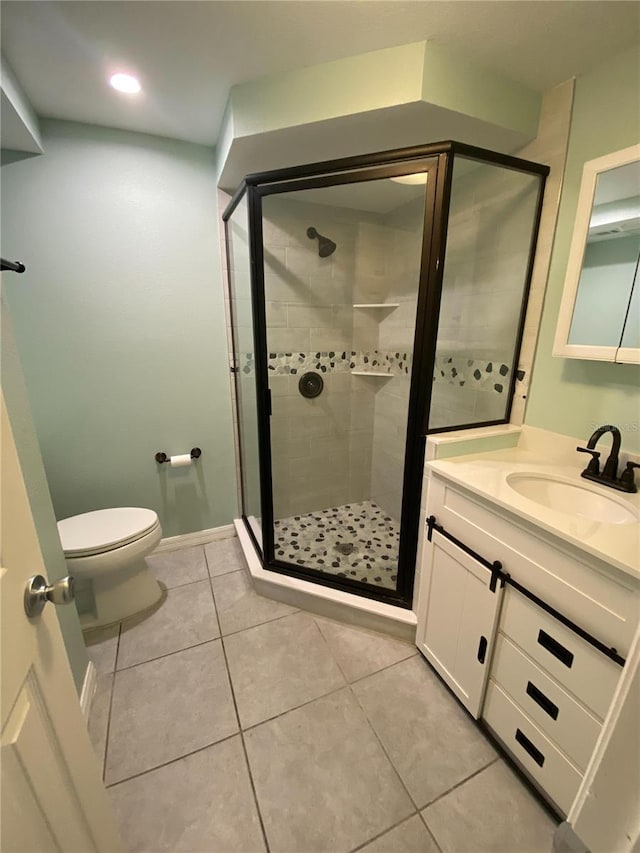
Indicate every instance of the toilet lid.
{"type": "Point", "coordinates": [104, 529]}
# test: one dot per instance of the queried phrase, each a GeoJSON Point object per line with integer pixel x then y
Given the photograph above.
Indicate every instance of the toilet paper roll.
{"type": "Point", "coordinates": [180, 461]}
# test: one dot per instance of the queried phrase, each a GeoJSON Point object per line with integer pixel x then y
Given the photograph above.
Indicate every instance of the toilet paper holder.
{"type": "Point", "coordinates": [161, 457]}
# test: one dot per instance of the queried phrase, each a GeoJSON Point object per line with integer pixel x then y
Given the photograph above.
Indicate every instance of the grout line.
{"type": "Point", "coordinates": [382, 747]}
{"type": "Point", "coordinates": [326, 642]}
{"type": "Point", "coordinates": [167, 654]}
{"type": "Point", "coordinates": [204, 642]}
{"type": "Point", "coordinates": [113, 685]}
{"type": "Point", "coordinates": [295, 708]}
{"type": "Point", "coordinates": [428, 828]}
{"type": "Point", "coordinates": [180, 585]}
{"type": "Point", "coordinates": [224, 574]}
{"type": "Point", "coordinates": [244, 746]}
{"type": "Point", "coordinates": [384, 668]}
{"type": "Point", "coordinates": [266, 622]}
{"type": "Point", "coordinates": [254, 792]}
{"type": "Point", "coordinates": [220, 574]}
{"type": "Point", "coordinates": [384, 832]}
{"type": "Point", "coordinates": [460, 783]}
{"type": "Point", "coordinates": [172, 760]}
{"type": "Point", "coordinates": [206, 579]}
{"type": "Point", "coordinates": [215, 611]}
{"type": "Point", "coordinates": [368, 675]}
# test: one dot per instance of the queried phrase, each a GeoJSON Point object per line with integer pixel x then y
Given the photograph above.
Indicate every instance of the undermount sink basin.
{"type": "Point", "coordinates": [572, 498]}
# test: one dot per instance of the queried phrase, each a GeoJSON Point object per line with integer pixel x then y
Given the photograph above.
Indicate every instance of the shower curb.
{"type": "Point", "coordinates": [325, 601]}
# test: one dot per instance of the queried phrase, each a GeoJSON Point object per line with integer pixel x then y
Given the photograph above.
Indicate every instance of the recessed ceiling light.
{"type": "Point", "coordinates": [125, 83]}
{"type": "Point", "coordinates": [418, 178]}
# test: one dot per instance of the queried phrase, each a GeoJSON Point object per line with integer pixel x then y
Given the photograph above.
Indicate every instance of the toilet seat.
{"type": "Point", "coordinates": [104, 530]}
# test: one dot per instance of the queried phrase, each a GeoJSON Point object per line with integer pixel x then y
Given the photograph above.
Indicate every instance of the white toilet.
{"type": "Point", "coordinates": [105, 552]}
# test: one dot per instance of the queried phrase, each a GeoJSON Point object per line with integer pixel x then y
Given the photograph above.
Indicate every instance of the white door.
{"type": "Point", "coordinates": [457, 619]}
{"type": "Point", "coordinates": [52, 797]}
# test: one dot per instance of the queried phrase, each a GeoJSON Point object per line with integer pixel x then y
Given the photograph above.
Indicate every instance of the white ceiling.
{"type": "Point", "coordinates": [188, 54]}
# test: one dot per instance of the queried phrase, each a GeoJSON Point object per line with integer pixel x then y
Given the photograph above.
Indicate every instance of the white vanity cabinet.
{"type": "Point", "coordinates": [543, 688]}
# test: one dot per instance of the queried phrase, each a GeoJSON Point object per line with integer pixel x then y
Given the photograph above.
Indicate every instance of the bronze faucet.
{"type": "Point", "coordinates": [609, 474]}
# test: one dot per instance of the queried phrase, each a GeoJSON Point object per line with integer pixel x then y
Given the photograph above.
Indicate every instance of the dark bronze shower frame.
{"type": "Point", "coordinates": [437, 161]}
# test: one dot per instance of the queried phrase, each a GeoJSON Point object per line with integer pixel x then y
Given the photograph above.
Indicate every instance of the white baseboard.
{"type": "Point", "coordinates": [198, 537]}
{"type": "Point", "coordinates": [88, 689]}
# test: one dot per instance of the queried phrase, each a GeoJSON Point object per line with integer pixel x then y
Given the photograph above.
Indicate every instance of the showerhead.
{"type": "Point", "coordinates": [326, 246]}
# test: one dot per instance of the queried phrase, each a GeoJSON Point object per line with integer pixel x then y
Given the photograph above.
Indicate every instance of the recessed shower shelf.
{"type": "Point", "coordinates": [376, 305]}
{"type": "Point", "coordinates": [371, 373]}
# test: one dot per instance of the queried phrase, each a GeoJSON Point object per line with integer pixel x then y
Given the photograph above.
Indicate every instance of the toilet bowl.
{"type": "Point", "coordinates": [105, 552]}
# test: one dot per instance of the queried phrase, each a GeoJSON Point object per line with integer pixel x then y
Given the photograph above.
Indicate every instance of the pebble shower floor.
{"type": "Point", "coordinates": [357, 541]}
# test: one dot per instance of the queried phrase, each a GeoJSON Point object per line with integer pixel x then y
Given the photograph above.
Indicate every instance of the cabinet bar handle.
{"type": "Point", "coordinates": [533, 751]}
{"type": "Point", "coordinates": [495, 568]}
{"type": "Point", "coordinates": [482, 649]}
{"type": "Point", "coordinates": [499, 575]}
{"type": "Point", "coordinates": [555, 648]}
{"type": "Point", "coordinates": [545, 703]}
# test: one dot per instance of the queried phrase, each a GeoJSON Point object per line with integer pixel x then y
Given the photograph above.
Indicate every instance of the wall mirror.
{"type": "Point", "coordinates": [600, 310]}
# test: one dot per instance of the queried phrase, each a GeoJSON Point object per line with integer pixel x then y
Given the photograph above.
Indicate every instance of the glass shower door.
{"type": "Point", "coordinates": [491, 227]}
{"type": "Point", "coordinates": [241, 311]}
{"type": "Point", "coordinates": [342, 270]}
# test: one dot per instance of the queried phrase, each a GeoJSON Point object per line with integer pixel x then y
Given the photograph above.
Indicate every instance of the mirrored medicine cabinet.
{"type": "Point", "coordinates": [599, 315]}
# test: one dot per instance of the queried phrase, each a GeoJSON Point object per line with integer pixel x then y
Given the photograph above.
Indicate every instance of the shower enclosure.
{"type": "Point", "coordinates": [373, 300]}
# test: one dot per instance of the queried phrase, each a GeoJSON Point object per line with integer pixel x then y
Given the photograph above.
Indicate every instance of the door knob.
{"type": "Point", "coordinates": [38, 592]}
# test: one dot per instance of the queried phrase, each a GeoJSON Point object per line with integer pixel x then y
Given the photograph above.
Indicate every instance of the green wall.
{"type": "Point", "coordinates": [572, 396]}
{"type": "Point", "coordinates": [409, 73]}
{"type": "Point", "coordinates": [368, 81]}
{"type": "Point", "coordinates": [390, 98]}
{"type": "Point", "coordinates": [119, 321]}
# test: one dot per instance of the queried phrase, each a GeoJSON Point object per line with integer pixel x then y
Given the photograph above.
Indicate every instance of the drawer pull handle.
{"type": "Point", "coordinates": [533, 751]}
{"type": "Point", "coordinates": [482, 649]}
{"type": "Point", "coordinates": [545, 703]}
{"type": "Point", "coordinates": [556, 648]}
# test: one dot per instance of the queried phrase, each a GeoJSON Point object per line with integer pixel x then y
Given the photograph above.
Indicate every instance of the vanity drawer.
{"type": "Point", "coordinates": [600, 599]}
{"type": "Point", "coordinates": [546, 765]}
{"type": "Point", "coordinates": [575, 664]}
{"type": "Point", "coordinates": [572, 728]}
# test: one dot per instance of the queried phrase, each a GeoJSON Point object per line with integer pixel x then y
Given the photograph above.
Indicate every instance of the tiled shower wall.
{"type": "Point", "coordinates": [321, 448]}
{"type": "Point", "coordinates": [347, 445]}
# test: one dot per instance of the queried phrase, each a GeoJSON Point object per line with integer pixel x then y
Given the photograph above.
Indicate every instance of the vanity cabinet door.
{"type": "Point", "coordinates": [457, 617]}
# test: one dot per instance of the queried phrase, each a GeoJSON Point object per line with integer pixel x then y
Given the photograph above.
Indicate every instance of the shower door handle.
{"type": "Point", "coordinates": [269, 408]}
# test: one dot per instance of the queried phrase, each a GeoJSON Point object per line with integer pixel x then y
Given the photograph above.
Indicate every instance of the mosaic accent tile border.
{"type": "Point", "coordinates": [493, 376]}
{"type": "Point", "coordinates": [475, 373]}
{"type": "Point", "coordinates": [339, 361]}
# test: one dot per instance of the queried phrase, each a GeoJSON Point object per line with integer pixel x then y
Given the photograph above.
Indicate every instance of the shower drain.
{"type": "Point", "coordinates": [345, 548]}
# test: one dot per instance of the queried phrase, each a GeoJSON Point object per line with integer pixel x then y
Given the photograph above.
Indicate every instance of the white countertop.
{"type": "Point", "coordinates": [485, 474]}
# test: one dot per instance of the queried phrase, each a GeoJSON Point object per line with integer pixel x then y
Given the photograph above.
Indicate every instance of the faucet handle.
{"type": "Point", "coordinates": [627, 480]}
{"type": "Point", "coordinates": [594, 465]}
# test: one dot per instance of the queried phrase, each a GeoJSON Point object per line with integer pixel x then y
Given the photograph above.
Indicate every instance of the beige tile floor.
{"type": "Point", "coordinates": [229, 723]}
